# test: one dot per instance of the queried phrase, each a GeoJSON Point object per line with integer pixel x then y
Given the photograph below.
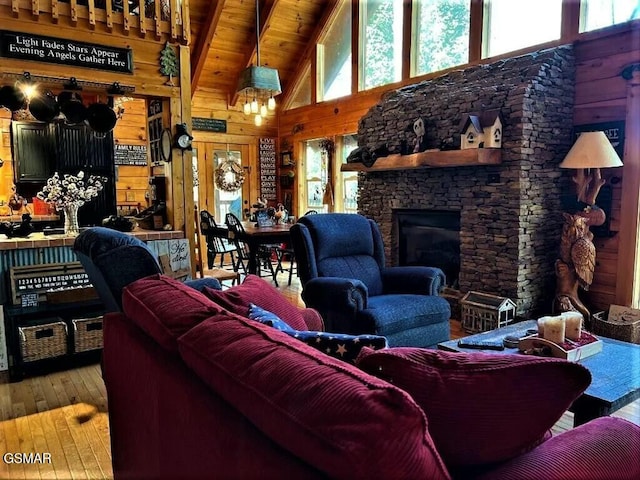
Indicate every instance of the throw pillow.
{"type": "Point", "coordinates": [338, 345]}
{"type": "Point", "coordinates": [268, 318]}
{"type": "Point", "coordinates": [330, 414]}
{"type": "Point", "coordinates": [260, 292]}
{"type": "Point", "coordinates": [481, 408]}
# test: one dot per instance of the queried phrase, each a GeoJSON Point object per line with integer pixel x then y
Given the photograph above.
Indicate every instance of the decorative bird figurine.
{"type": "Point", "coordinates": [575, 266]}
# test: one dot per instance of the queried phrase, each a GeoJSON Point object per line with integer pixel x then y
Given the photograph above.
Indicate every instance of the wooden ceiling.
{"type": "Point", "coordinates": [223, 40]}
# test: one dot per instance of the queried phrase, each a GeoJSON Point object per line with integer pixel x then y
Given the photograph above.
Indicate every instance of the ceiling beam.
{"type": "Point", "coordinates": [266, 14]}
{"type": "Point", "coordinates": [330, 11]}
{"type": "Point", "coordinates": [201, 50]}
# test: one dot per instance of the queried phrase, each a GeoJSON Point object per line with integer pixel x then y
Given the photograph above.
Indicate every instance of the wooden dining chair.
{"type": "Point", "coordinates": [217, 243]}
{"type": "Point", "coordinates": [286, 251]}
{"type": "Point", "coordinates": [242, 249]}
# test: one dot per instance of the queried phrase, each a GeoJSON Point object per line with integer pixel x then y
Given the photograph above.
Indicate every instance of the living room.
{"type": "Point", "coordinates": [576, 74]}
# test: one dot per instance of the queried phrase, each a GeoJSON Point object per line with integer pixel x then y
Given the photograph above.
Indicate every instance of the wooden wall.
{"type": "Point", "coordinates": [601, 96]}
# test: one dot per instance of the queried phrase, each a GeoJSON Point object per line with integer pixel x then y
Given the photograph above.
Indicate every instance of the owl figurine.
{"type": "Point", "coordinates": [575, 266]}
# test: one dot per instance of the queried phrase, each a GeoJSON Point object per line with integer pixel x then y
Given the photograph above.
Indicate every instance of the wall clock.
{"type": "Point", "coordinates": [183, 137]}
{"type": "Point", "coordinates": [166, 145]}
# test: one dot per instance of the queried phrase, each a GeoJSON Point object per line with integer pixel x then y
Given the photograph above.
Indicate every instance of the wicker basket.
{"type": "Point", "coordinates": [47, 340]}
{"type": "Point", "coordinates": [625, 331]}
{"type": "Point", "coordinates": [87, 334]}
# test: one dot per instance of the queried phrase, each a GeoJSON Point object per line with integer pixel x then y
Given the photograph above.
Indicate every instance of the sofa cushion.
{"type": "Point", "coordinates": [260, 292]}
{"type": "Point", "coordinates": [165, 308]}
{"type": "Point", "coordinates": [481, 407]}
{"type": "Point", "coordinates": [312, 404]}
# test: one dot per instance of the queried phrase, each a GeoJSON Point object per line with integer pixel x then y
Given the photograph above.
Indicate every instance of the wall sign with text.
{"type": "Point", "coordinates": [209, 124]}
{"type": "Point", "coordinates": [27, 46]}
{"type": "Point", "coordinates": [130, 154]}
{"type": "Point", "coordinates": [267, 163]}
{"type": "Point", "coordinates": [613, 130]}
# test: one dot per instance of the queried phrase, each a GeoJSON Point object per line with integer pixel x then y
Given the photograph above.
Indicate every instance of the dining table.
{"type": "Point", "coordinates": [255, 236]}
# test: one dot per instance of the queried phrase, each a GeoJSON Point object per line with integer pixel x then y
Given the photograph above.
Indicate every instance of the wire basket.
{"type": "Point", "coordinates": [87, 334]}
{"type": "Point", "coordinates": [47, 340]}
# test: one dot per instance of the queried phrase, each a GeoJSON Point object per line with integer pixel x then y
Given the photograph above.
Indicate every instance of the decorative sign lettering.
{"type": "Point", "coordinates": [613, 130]}
{"type": "Point", "coordinates": [29, 300]}
{"type": "Point", "coordinates": [130, 154]}
{"type": "Point", "coordinates": [48, 282]}
{"type": "Point", "coordinates": [27, 46]}
{"type": "Point", "coordinates": [209, 124]}
{"type": "Point", "coordinates": [267, 162]}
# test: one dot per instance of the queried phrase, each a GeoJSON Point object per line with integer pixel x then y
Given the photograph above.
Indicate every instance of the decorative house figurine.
{"type": "Point", "coordinates": [421, 136]}
{"type": "Point", "coordinates": [481, 131]}
{"type": "Point", "coordinates": [483, 311]}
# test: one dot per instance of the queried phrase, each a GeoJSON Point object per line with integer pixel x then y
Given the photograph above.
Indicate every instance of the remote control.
{"type": "Point", "coordinates": [480, 344]}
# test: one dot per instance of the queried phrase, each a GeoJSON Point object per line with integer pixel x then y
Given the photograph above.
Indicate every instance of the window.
{"type": "Point", "coordinates": [380, 42]}
{"type": "Point", "coordinates": [596, 14]}
{"type": "Point", "coordinates": [302, 92]}
{"type": "Point", "coordinates": [334, 57]}
{"type": "Point", "coordinates": [440, 35]}
{"type": "Point", "coordinates": [349, 185]}
{"type": "Point", "coordinates": [513, 25]}
{"type": "Point", "coordinates": [316, 175]}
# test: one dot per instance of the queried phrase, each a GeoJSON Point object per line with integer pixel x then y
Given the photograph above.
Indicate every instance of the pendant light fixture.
{"type": "Point", "coordinates": [260, 84]}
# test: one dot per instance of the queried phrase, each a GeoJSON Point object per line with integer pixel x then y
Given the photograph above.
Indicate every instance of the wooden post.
{"type": "Point", "coordinates": [74, 10]}
{"type": "Point", "coordinates": [158, 20]}
{"type": "Point", "coordinates": [92, 13]}
{"type": "Point", "coordinates": [173, 20]}
{"type": "Point", "coordinates": [54, 11]}
{"type": "Point", "coordinates": [186, 22]}
{"type": "Point", "coordinates": [15, 7]}
{"type": "Point", "coordinates": [628, 258]}
{"type": "Point", "coordinates": [35, 7]}
{"type": "Point", "coordinates": [109, 8]}
{"type": "Point", "coordinates": [125, 17]}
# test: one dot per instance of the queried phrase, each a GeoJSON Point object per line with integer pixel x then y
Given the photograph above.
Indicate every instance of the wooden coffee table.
{"type": "Point", "coordinates": [615, 371]}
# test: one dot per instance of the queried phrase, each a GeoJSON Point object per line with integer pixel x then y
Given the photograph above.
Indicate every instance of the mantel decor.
{"type": "Point", "coordinates": [69, 193]}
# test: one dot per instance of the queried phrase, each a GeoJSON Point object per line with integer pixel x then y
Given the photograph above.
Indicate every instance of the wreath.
{"type": "Point", "coordinates": [229, 176]}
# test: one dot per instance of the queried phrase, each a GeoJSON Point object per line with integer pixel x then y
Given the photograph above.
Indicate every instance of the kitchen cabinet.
{"type": "Point", "coordinates": [33, 149]}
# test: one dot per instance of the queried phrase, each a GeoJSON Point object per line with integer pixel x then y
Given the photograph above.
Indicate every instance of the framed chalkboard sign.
{"type": "Point", "coordinates": [209, 124]}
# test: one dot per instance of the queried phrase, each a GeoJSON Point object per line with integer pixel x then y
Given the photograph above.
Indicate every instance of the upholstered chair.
{"type": "Point", "coordinates": [341, 265]}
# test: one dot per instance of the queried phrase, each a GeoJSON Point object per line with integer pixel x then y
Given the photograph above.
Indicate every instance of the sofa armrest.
{"type": "Point", "coordinates": [313, 319]}
{"type": "Point", "coordinates": [598, 449]}
{"type": "Point", "coordinates": [417, 280]}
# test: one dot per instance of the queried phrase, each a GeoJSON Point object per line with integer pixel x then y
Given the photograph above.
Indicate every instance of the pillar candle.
{"type": "Point", "coordinates": [573, 325]}
{"type": "Point", "coordinates": [541, 321]}
{"type": "Point", "coordinates": [554, 329]}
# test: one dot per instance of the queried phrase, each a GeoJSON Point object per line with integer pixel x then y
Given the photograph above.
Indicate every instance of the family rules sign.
{"type": "Point", "coordinates": [26, 46]}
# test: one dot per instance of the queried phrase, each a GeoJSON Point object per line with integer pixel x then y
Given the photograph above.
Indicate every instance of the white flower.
{"type": "Point", "coordinates": [71, 189]}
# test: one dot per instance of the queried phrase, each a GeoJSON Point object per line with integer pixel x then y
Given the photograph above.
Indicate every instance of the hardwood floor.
{"type": "Point", "coordinates": [65, 414]}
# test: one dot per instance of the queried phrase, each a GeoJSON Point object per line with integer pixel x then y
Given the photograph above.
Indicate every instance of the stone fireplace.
{"type": "Point", "coordinates": [509, 214]}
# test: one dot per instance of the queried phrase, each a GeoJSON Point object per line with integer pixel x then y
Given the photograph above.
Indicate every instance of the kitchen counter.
{"type": "Point", "coordinates": [40, 240]}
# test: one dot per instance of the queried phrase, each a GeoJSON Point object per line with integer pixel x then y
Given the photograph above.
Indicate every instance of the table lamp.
{"type": "Point", "coordinates": [574, 269]}
{"type": "Point", "coordinates": [591, 152]}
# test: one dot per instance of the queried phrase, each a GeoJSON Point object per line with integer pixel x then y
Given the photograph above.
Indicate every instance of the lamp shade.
{"type": "Point", "coordinates": [259, 78]}
{"type": "Point", "coordinates": [591, 150]}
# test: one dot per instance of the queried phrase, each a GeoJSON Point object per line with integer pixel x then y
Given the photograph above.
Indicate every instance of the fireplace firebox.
{"type": "Point", "coordinates": [431, 238]}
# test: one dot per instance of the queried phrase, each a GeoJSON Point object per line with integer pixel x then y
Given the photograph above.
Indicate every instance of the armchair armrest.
{"type": "Point", "coordinates": [337, 300]}
{"type": "Point", "coordinates": [417, 280]}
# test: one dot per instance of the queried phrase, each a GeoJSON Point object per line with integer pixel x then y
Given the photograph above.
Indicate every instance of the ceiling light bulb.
{"type": "Point", "coordinates": [271, 103]}
{"type": "Point", "coordinates": [246, 108]}
{"type": "Point", "coordinates": [258, 120]}
{"type": "Point", "coordinates": [263, 110]}
{"type": "Point", "coordinates": [254, 105]}
{"type": "Point", "coordinates": [29, 90]}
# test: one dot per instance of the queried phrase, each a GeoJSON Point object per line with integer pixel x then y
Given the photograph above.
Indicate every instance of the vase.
{"type": "Point", "coordinates": [71, 226]}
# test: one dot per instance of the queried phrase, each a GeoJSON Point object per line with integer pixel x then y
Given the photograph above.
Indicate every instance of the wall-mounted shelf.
{"type": "Point", "coordinates": [431, 159]}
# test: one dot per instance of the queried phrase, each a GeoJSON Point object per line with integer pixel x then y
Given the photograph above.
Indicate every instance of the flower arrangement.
{"type": "Point", "coordinates": [71, 189]}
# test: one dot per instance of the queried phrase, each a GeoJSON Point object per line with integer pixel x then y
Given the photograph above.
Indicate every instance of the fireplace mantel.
{"type": "Point", "coordinates": [430, 159]}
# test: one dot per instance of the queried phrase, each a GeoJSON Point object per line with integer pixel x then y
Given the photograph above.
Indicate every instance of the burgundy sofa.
{"type": "Point", "coordinates": [197, 391]}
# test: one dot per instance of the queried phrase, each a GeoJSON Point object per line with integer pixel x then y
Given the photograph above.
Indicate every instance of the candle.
{"type": "Point", "coordinates": [541, 321]}
{"type": "Point", "coordinates": [573, 325]}
{"type": "Point", "coordinates": [554, 329]}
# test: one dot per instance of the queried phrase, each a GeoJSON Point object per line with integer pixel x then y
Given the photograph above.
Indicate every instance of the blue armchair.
{"type": "Point", "coordinates": [113, 260]}
{"type": "Point", "coordinates": [341, 266]}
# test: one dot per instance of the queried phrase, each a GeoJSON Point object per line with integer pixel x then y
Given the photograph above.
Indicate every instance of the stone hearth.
{"type": "Point", "coordinates": [510, 214]}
